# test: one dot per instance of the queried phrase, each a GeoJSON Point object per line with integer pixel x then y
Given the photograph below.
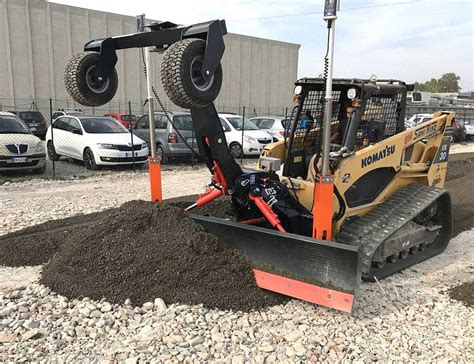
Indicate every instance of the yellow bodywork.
{"type": "Point", "coordinates": [423, 142]}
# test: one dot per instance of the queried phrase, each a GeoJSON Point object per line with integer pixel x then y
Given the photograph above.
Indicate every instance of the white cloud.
{"type": "Point", "coordinates": [413, 42]}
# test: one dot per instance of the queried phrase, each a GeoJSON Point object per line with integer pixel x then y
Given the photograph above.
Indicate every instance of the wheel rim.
{"type": "Point", "coordinates": [451, 139]}
{"type": "Point", "coordinates": [95, 85]}
{"type": "Point", "coordinates": [196, 77]}
{"type": "Point", "coordinates": [160, 153]}
{"type": "Point", "coordinates": [235, 150]}
{"type": "Point", "coordinates": [89, 157]}
{"type": "Point", "coordinates": [51, 151]}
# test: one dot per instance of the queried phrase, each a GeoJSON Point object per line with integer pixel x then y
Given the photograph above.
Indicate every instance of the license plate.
{"type": "Point", "coordinates": [19, 160]}
{"type": "Point", "coordinates": [191, 140]}
{"type": "Point", "coordinates": [32, 128]}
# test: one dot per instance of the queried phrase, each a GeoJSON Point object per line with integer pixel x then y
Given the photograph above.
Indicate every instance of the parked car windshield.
{"type": "Point", "coordinates": [129, 118]}
{"type": "Point", "coordinates": [31, 116]}
{"type": "Point", "coordinates": [237, 123]}
{"type": "Point", "coordinates": [102, 126]}
{"type": "Point", "coordinates": [183, 122]}
{"type": "Point", "coordinates": [266, 124]}
{"type": "Point", "coordinates": [12, 125]}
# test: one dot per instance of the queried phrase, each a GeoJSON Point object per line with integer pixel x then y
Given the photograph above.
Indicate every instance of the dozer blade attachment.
{"type": "Point", "coordinates": [322, 272]}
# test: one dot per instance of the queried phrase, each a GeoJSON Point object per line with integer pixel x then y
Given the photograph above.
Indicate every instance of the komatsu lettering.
{"type": "Point", "coordinates": [367, 161]}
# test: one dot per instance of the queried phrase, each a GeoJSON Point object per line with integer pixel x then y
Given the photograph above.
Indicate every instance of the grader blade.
{"type": "Point", "coordinates": [322, 272]}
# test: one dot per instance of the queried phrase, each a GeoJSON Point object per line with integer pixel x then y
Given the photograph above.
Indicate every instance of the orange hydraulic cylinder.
{"type": "Point", "coordinates": [154, 168]}
{"type": "Point", "coordinates": [323, 207]}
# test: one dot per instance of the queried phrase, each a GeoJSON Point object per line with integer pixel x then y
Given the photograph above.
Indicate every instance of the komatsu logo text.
{"type": "Point", "coordinates": [367, 161]}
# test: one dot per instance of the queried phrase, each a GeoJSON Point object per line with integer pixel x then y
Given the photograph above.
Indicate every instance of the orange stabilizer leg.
{"type": "Point", "coordinates": [154, 168]}
{"type": "Point", "coordinates": [323, 207]}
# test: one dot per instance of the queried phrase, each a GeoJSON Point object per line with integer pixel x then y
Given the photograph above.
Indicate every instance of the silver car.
{"type": "Point", "coordinates": [169, 145]}
{"type": "Point", "coordinates": [19, 148]}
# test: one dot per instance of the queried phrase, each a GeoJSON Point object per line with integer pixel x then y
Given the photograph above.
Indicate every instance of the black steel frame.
{"type": "Point", "coordinates": [161, 36]}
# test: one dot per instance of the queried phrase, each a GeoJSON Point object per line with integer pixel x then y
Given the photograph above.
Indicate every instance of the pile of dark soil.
{"type": "Point", "coordinates": [463, 293]}
{"type": "Point", "coordinates": [459, 168]}
{"type": "Point", "coordinates": [142, 251]}
{"type": "Point", "coordinates": [37, 244]}
{"type": "Point", "coordinates": [460, 184]}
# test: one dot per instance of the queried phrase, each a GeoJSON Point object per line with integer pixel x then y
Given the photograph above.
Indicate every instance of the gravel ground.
{"type": "Point", "coordinates": [406, 317]}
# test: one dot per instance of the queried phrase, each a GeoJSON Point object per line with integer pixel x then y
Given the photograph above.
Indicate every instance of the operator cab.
{"type": "Point", "coordinates": [378, 112]}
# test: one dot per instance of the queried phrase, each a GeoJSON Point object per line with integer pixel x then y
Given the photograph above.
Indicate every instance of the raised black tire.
{"type": "Point", "coordinates": [82, 85]}
{"type": "Point", "coordinates": [181, 75]}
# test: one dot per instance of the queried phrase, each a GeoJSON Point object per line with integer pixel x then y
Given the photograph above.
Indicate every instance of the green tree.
{"type": "Point", "coordinates": [449, 82]}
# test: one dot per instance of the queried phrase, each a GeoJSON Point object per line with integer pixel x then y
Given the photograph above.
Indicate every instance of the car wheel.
{"type": "Point", "coordinates": [235, 150]}
{"type": "Point", "coordinates": [89, 160]}
{"type": "Point", "coordinates": [52, 155]}
{"type": "Point", "coordinates": [160, 152]}
{"type": "Point", "coordinates": [181, 75]}
{"type": "Point", "coordinates": [83, 86]}
{"type": "Point", "coordinates": [40, 170]}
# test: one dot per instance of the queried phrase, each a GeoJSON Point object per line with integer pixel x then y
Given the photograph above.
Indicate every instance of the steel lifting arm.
{"type": "Point", "coordinates": [161, 36]}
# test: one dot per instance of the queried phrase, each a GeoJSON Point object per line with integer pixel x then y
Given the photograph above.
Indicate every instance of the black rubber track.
{"type": "Point", "coordinates": [371, 230]}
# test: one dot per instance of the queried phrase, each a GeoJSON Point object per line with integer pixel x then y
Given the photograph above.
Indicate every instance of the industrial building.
{"type": "Point", "coordinates": [37, 38]}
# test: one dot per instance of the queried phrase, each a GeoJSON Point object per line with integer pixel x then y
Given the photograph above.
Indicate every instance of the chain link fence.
{"type": "Point", "coordinates": [114, 137]}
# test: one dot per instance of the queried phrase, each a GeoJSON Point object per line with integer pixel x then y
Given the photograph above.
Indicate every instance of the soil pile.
{"type": "Point", "coordinates": [37, 244]}
{"type": "Point", "coordinates": [459, 168]}
{"type": "Point", "coordinates": [463, 293]}
{"type": "Point", "coordinates": [142, 251]}
{"type": "Point", "coordinates": [460, 184]}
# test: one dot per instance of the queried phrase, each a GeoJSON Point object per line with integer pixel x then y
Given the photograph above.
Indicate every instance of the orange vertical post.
{"type": "Point", "coordinates": [323, 207]}
{"type": "Point", "coordinates": [154, 168]}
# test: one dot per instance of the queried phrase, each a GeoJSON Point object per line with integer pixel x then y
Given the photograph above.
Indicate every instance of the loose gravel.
{"type": "Point", "coordinates": [409, 316]}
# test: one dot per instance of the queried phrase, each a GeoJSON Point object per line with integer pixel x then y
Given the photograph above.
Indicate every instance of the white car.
{"type": "Point", "coordinates": [469, 125]}
{"type": "Point", "coordinates": [19, 148]}
{"type": "Point", "coordinates": [95, 140]}
{"type": "Point", "coordinates": [254, 139]}
{"type": "Point", "coordinates": [417, 119]}
{"type": "Point", "coordinates": [273, 125]}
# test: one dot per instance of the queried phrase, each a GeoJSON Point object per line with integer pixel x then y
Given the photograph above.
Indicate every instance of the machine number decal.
{"type": "Point", "coordinates": [443, 151]}
{"type": "Point", "coordinates": [346, 178]}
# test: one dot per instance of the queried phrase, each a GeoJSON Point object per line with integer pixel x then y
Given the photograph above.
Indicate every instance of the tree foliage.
{"type": "Point", "coordinates": [449, 82]}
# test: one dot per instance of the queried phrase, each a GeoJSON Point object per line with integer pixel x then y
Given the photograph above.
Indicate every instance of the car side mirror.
{"type": "Point", "coordinates": [77, 131]}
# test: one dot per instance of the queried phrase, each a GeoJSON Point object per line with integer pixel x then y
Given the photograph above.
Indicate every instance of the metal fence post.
{"type": "Point", "coordinates": [131, 133]}
{"type": "Point", "coordinates": [243, 129]}
{"type": "Point", "coordinates": [52, 134]}
{"type": "Point", "coordinates": [192, 147]}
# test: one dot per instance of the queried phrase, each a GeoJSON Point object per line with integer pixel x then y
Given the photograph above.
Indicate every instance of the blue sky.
{"type": "Point", "coordinates": [408, 40]}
